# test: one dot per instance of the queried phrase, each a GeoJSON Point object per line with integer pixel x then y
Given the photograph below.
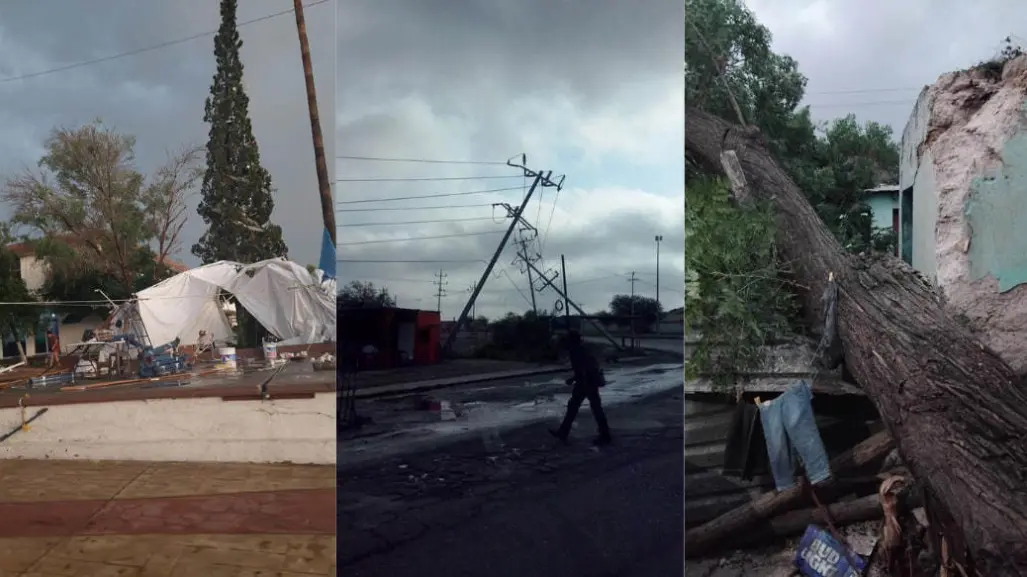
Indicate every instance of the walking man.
{"type": "Point", "coordinates": [587, 380]}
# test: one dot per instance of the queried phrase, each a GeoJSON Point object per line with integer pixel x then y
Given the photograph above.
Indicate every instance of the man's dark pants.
{"type": "Point", "coordinates": [578, 395]}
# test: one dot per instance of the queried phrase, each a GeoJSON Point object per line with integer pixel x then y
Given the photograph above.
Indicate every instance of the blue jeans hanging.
{"type": "Point", "coordinates": [790, 428]}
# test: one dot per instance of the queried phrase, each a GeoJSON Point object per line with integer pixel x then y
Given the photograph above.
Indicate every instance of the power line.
{"type": "Point", "coordinates": [437, 195]}
{"type": "Point", "coordinates": [145, 49]}
{"type": "Point", "coordinates": [867, 90]}
{"type": "Point", "coordinates": [408, 208]}
{"type": "Point", "coordinates": [907, 102]}
{"type": "Point", "coordinates": [420, 160]}
{"type": "Point", "coordinates": [412, 238]}
{"type": "Point", "coordinates": [426, 178]}
{"type": "Point", "coordinates": [403, 222]}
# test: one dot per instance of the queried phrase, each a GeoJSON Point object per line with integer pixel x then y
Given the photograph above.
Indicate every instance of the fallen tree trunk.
{"type": "Point", "coordinates": [701, 540]}
{"type": "Point", "coordinates": [952, 405]}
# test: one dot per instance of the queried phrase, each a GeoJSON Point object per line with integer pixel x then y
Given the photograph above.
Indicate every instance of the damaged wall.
{"type": "Point", "coordinates": [964, 153]}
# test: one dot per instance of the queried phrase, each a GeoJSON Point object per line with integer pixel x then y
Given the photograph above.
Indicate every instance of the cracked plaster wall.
{"type": "Point", "coordinates": [296, 431]}
{"type": "Point", "coordinates": [964, 152]}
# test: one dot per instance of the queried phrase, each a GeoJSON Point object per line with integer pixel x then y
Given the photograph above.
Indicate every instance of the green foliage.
{"type": "Point", "coordinates": [359, 294]}
{"type": "Point", "coordinates": [77, 283]}
{"type": "Point", "coordinates": [15, 319]}
{"type": "Point", "coordinates": [526, 338]}
{"type": "Point", "coordinates": [737, 301]}
{"type": "Point", "coordinates": [735, 296]}
{"type": "Point", "coordinates": [237, 199]}
{"type": "Point", "coordinates": [87, 194]}
{"type": "Point", "coordinates": [646, 309]}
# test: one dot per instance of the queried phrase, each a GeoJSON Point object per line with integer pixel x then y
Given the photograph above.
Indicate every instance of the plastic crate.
{"type": "Point", "coordinates": [821, 555]}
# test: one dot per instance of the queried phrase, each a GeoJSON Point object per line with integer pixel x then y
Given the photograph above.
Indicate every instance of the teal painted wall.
{"type": "Point", "coordinates": [882, 204]}
{"type": "Point", "coordinates": [996, 209]}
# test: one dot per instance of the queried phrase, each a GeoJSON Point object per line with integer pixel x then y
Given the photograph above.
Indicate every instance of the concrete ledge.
{"type": "Point", "coordinates": [242, 391]}
{"type": "Point", "coordinates": [196, 429]}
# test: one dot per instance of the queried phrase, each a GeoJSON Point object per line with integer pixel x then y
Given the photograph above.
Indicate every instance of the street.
{"type": "Point", "coordinates": [402, 423]}
{"type": "Point", "coordinates": [515, 502]}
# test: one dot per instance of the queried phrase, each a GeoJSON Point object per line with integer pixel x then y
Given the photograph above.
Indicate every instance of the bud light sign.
{"type": "Point", "coordinates": [820, 555]}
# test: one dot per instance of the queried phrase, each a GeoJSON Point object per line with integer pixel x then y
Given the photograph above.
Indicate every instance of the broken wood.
{"type": "Point", "coordinates": [793, 523]}
{"type": "Point", "coordinates": [953, 406]}
{"type": "Point", "coordinates": [702, 539]}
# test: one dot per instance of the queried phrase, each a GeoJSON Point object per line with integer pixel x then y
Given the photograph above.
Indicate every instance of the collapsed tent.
{"type": "Point", "coordinates": [284, 297]}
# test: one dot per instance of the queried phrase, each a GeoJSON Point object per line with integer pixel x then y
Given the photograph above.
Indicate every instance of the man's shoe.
{"type": "Point", "coordinates": [602, 441]}
{"type": "Point", "coordinates": [560, 436]}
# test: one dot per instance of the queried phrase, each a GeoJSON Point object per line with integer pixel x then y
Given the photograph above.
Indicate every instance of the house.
{"type": "Point", "coordinates": [884, 206]}
{"type": "Point", "coordinates": [71, 327]}
{"type": "Point", "coordinates": [962, 175]}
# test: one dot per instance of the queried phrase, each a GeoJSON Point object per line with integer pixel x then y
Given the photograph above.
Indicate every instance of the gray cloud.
{"type": "Point", "coordinates": [872, 58]}
{"type": "Point", "coordinates": [590, 89]}
{"type": "Point", "coordinates": [158, 95]}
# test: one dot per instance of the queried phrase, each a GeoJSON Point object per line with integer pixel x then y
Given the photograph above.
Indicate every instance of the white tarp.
{"type": "Point", "coordinates": [281, 295]}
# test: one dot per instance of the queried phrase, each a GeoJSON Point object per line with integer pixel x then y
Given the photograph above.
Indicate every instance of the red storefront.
{"type": "Point", "coordinates": [384, 338]}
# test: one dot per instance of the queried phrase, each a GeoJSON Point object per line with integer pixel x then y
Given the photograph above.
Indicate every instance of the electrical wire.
{"type": "Point", "coordinates": [552, 211]}
{"type": "Point", "coordinates": [413, 238]}
{"type": "Point", "coordinates": [420, 160]}
{"type": "Point", "coordinates": [426, 178]}
{"type": "Point", "coordinates": [436, 195]}
{"type": "Point", "coordinates": [409, 208]}
{"type": "Point", "coordinates": [145, 49]}
{"type": "Point", "coordinates": [405, 222]}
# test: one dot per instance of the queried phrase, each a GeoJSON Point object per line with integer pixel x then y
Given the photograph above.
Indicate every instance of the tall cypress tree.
{"type": "Point", "coordinates": [237, 192]}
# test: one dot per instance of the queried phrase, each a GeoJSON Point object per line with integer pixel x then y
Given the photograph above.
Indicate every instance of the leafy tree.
{"type": "Point", "coordinates": [81, 284]}
{"type": "Point", "coordinates": [237, 199]}
{"type": "Point", "coordinates": [734, 299]}
{"type": "Point", "coordinates": [359, 294]}
{"type": "Point", "coordinates": [646, 309]}
{"type": "Point", "coordinates": [88, 194]}
{"type": "Point", "coordinates": [16, 320]}
{"type": "Point", "coordinates": [237, 196]}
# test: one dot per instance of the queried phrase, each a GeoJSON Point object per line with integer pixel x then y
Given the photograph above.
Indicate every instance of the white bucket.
{"type": "Point", "coordinates": [227, 355]}
{"type": "Point", "coordinates": [270, 351]}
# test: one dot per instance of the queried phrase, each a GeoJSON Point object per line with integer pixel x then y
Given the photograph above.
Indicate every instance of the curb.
{"type": "Point", "coordinates": [400, 389]}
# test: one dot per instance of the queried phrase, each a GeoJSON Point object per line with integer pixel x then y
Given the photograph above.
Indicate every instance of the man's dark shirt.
{"type": "Point", "coordinates": [584, 366]}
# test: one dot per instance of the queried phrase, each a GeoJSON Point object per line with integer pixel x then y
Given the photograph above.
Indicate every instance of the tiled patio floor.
{"type": "Point", "coordinates": [129, 519]}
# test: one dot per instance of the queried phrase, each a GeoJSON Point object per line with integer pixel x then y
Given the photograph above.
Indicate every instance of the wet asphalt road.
{"type": "Point", "coordinates": [531, 509]}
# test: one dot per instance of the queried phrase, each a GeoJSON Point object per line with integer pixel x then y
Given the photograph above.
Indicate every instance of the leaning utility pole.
{"type": "Point", "coordinates": [440, 282]}
{"type": "Point", "coordinates": [474, 315]}
{"type": "Point", "coordinates": [539, 179]}
{"type": "Point", "coordinates": [523, 253]}
{"type": "Point", "coordinates": [324, 183]}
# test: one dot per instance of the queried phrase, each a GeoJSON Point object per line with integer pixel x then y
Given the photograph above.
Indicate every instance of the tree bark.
{"type": "Point", "coordinates": [702, 539]}
{"type": "Point", "coordinates": [952, 405]}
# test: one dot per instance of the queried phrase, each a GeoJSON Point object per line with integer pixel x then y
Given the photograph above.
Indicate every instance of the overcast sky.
{"type": "Point", "coordinates": [871, 58]}
{"type": "Point", "coordinates": [158, 95]}
{"type": "Point", "coordinates": [588, 88]}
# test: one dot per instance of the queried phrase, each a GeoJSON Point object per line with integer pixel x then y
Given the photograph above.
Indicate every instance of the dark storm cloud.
{"type": "Point", "coordinates": [589, 89]}
{"type": "Point", "coordinates": [158, 95]}
{"type": "Point", "coordinates": [872, 58]}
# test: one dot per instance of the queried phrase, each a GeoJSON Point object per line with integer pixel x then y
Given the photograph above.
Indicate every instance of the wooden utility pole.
{"type": "Point", "coordinates": [440, 282]}
{"type": "Point", "coordinates": [324, 183]}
